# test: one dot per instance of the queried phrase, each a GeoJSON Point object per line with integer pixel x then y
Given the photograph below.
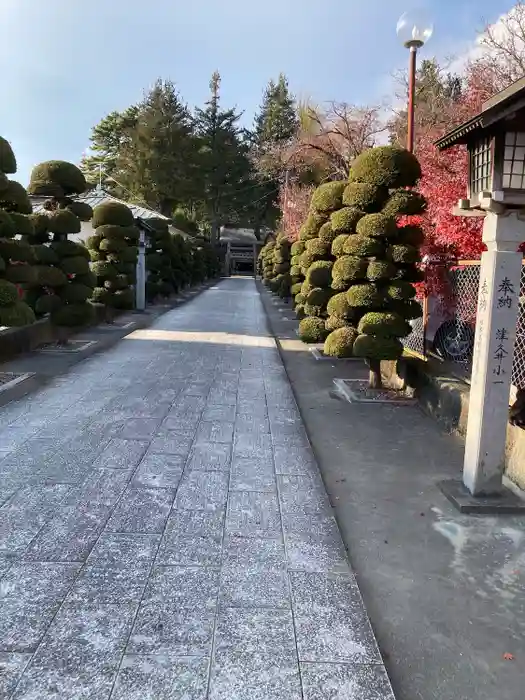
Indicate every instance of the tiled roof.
{"type": "Point", "coordinates": [99, 196]}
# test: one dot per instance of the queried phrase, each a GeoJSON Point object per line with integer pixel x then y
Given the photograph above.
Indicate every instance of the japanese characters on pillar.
{"type": "Point", "coordinates": [502, 358]}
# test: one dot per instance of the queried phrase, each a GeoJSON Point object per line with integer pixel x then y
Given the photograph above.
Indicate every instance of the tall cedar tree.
{"type": "Point", "coordinates": [107, 140]}
{"type": "Point", "coordinates": [223, 158]}
{"type": "Point", "coordinates": [158, 163]}
{"type": "Point", "coordinates": [275, 125]}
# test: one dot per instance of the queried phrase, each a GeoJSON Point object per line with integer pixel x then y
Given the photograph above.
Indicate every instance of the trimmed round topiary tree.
{"type": "Point", "coordinates": [180, 262]}
{"type": "Point", "coordinates": [17, 257]}
{"type": "Point", "coordinates": [312, 261]}
{"type": "Point", "coordinates": [376, 259]}
{"type": "Point", "coordinates": [280, 282]}
{"type": "Point", "coordinates": [160, 279]}
{"type": "Point", "coordinates": [113, 250]}
{"type": "Point", "coordinates": [64, 281]}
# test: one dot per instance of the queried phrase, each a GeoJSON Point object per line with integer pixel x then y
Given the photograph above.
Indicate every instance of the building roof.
{"type": "Point", "coordinates": [494, 110]}
{"type": "Point", "coordinates": [100, 196]}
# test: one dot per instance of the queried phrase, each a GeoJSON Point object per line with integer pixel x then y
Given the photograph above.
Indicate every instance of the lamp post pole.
{"type": "Point", "coordinates": [411, 97]}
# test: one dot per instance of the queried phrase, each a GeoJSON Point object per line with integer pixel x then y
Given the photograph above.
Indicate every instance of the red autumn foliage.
{"type": "Point", "coordinates": [294, 201]}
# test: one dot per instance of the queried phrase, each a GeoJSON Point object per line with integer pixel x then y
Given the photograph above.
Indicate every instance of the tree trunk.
{"type": "Point", "coordinates": [375, 381]}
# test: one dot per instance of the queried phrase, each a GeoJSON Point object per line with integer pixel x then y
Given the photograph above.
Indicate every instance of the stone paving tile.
{"type": "Point", "coordinates": [163, 677]}
{"type": "Point", "coordinates": [160, 471]}
{"type": "Point", "coordinates": [22, 516]}
{"type": "Point", "coordinates": [202, 491]}
{"type": "Point", "coordinates": [70, 534]}
{"type": "Point", "coordinates": [172, 442]}
{"type": "Point", "coordinates": [210, 457]}
{"type": "Point", "coordinates": [224, 412]}
{"type": "Point", "coordinates": [252, 475]}
{"type": "Point", "coordinates": [299, 494]}
{"type": "Point", "coordinates": [252, 424]}
{"type": "Point", "coordinates": [12, 665]}
{"type": "Point", "coordinates": [184, 423]}
{"type": "Point", "coordinates": [307, 552]}
{"type": "Point", "coordinates": [142, 510]}
{"type": "Point", "coordinates": [140, 428]}
{"type": "Point", "coordinates": [80, 654]}
{"type": "Point", "coordinates": [110, 583]}
{"type": "Point", "coordinates": [255, 656]}
{"type": "Point", "coordinates": [177, 612]}
{"type": "Point", "coordinates": [101, 486]}
{"type": "Point", "coordinates": [121, 454]}
{"type": "Point", "coordinates": [215, 432]}
{"type": "Point", "coordinates": [196, 523]}
{"type": "Point", "coordinates": [177, 550]}
{"type": "Point", "coordinates": [294, 460]}
{"type": "Point", "coordinates": [330, 620]}
{"type": "Point", "coordinates": [30, 595]}
{"type": "Point", "coordinates": [252, 445]}
{"type": "Point", "coordinates": [345, 682]}
{"type": "Point", "coordinates": [253, 514]}
{"type": "Point", "coordinates": [116, 549]}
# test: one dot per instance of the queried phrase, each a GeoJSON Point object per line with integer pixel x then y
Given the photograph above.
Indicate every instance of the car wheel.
{"type": "Point", "coordinates": [454, 341]}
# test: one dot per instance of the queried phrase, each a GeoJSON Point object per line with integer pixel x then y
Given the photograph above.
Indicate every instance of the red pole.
{"type": "Point", "coordinates": [411, 97]}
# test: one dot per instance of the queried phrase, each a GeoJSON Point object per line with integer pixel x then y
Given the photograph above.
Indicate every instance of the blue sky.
{"type": "Point", "coordinates": [67, 64]}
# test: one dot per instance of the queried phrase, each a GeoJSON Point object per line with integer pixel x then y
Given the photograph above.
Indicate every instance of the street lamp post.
{"type": "Point", "coordinates": [414, 29]}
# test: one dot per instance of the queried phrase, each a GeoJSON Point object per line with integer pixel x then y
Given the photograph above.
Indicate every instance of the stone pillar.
{"type": "Point", "coordinates": [140, 289]}
{"type": "Point", "coordinates": [498, 301]}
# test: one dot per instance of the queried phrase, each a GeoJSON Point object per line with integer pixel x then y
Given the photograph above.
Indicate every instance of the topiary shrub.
{"type": "Point", "coordinates": [312, 330]}
{"type": "Point", "coordinates": [327, 233]}
{"type": "Point", "coordinates": [333, 322]}
{"type": "Point", "coordinates": [364, 247]}
{"type": "Point", "coordinates": [365, 197]}
{"type": "Point", "coordinates": [312, 225]}
{"type": "Point", "coordinates": [111, 247]}
{"type": "Point", "coordinates": [377, 226]}
{"type": "Point", "coordinates": [345, 220]}
{"type": "Point", "coordinates": [386, 166]}
{"type": "Point", "coordinates": [349, 268]}
{"type": "Point", "coordinates": [340, 342]}
{"type": "Point", "coordinates": [339, 244]}
{"type": "Point", "coordinates": [405, 203]}
{"type": "Point", "coordinates": [383, 323]}
{"type": "Point", "coordinates": [17, 257]}
{"type": "Point", "coordinates": [328, 197]}
{"type": "Point", "coordinates": [63, 285]}
{"type": "Point", "coordinates": [320, 273]}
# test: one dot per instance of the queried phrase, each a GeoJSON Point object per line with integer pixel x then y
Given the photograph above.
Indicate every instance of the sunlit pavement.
{"type": "Point", "coordinates": [164, 530]}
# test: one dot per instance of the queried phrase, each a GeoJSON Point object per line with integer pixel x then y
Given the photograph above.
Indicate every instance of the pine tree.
{"type": "Point", "coordinates": [157, 163]}
{"type": "Point", "coordinates": [223, 158]}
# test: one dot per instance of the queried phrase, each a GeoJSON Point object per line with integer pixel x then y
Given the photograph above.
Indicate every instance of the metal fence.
{"type": "Point", "coordinates": [447, 327]}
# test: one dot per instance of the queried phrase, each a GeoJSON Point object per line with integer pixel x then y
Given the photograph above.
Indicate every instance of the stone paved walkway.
{"type": "Point", "coordinates": [164, 531]}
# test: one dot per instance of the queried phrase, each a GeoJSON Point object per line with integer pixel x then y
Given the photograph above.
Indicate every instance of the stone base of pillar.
{"type": "Point", "coordinates": [503, 503]}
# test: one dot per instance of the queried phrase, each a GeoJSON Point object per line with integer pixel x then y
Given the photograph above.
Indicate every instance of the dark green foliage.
{"type": "Point", "coordinates": [63, 222]}
{"type": "Point", "coordinates": [21, 274]}
{"type": "Point", "coordinates": [410, 235]}
{"type": "Point", "coordinates": [318, 248]}
{"type": "Point", "coordinates": [377, 225]}
{"type": "Point", "coordinates": [7, 226]}
{"type": "Point", "coordinates": [47, 304]}
{"type": "Point", "coordinates": [318, 297]}
{"type": "Point", "coordinates": [16, 251]}
{"type": "Point", "coordinates": [320, 273]}
{"type": "Point", "coordinates": [364, 247]}
{"type": "Point", "coordinates": [112, 245]}
{"type": "Point", "coordinates": [327, 233]}
{"type": "Point", "coordinates": [124, 299]}
{"type": "Point", "coordinates": [328, 197]}
{"type": "Point", "coordinates": [299, 311]}
{"type": "Point", "coordinates": [57, 178]}
{"type": "Point", "coordinates": [17, 314]}
{"type": "Point", "coordinates": [81, 210]}
{"type": "Point", "coordinates": [400, 290]}
{"type": "Point", "coordinates": [101, 296]}
{"type": "Point", "coordinates": [312, 330]}
{"type": "Point", "coordinates": [384, 323]}
{"type": "Point", "coordinates": [379, 270]}
{"type": "Point", "coordinates": [63, 249]}
{"type": "Point", "coordinates": [8, 293]}
{"type": "Point", "coordinates": [75, 265]}
{"type": "Point", "coordinates": [405, 203]}
{"type": "Point", "coordinates": [297, 248]}
{"type": "Point", "coordinates": [403, 254]}
{"type": "Point", "coordinates": [310, 228]}
{"type": "Point", "coordinates": [112, 213]}
{"type": "Point", "coordinates": [14, 198]}
{"type": "Point", "coordinates": [377, 347]}
{"type": "Point", "coordinates": [364, 196]}
{"type": "Point", "coordinates": [409, 309]}
{"type": "Point", "coordinates": [23, 224]}
{"type": "Point", "coordinates": [345, 220]}
{"type": "Point", "coordinates": [409, 273]}
{"type": "Point", "coordinates": [296, 289]}
{"type": "Point", "coordinates": [2, 264]}
{"type": "Point", "coordinates": [339, 244]}
{"type": "Point", "coordinates": [349, 268]}
{"type": "Point", "coordinates": [339, 307]}
{"type": "Point", "coordinates": [340, 342]}
{"type": "Point", "coordinates": [365, 296]}
{"type": "Point", "coordinates": [111, 232]}
{"type": "Point", "coordinates": [74, 315]}
{"type": "Point", "coordinates": [75, 293]}
{"type": "Point", "coordinates": [386, 166]}
{"type": "Point", "coordinates": [333, 322]}
{"type": "Point", "coordinates": [308, 259]}
{"type": "Point", "coordinates": [47, 276]}
{"type": "Point", "coordinates": [41, 226]}
{"type": "Point", "coordinates": [7, 157]}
